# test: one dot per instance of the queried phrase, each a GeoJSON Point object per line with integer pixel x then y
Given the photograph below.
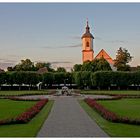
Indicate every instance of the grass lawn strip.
{"type": "Point", "coordinates": [11, 109]}
{"type": "Point", "coordinates": [26, 116]}
{"type": "Point", "coordinates": [26, 92]}
{"type": "Point", "coordinates": [27, 130]}
{"type": "Point", "coordinates": [112, 129]}
{"type": "Point", "coordinates": [110, 115]}
{"type": "Point", "coordinates": [123, 107]}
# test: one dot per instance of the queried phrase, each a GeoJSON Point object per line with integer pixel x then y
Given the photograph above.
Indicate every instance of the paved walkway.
{"type": "Point", "coordinates": [52, 97]}
{"type": "Point", "coordinates": [68, 119]}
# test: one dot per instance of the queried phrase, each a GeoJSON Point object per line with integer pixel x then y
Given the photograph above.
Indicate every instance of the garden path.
{"type": "Point", "coordinates": [68, 119]}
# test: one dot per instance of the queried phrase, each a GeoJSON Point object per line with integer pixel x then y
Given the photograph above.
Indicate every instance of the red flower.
{"type": "Point", "coordinates": [27, 115]}
{"type": "Point", "coordinates": [108, 115]}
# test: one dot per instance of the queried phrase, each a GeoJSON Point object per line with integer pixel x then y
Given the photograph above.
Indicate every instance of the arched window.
{"type": "Point", "coordinates": [87, 44]}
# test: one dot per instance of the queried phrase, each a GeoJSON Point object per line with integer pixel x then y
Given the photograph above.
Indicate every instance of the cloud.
{"type": "Point", "coordinates": [48, 47]}
{"type": "Point", "coordinates": [4, 63]}
{"type": "Point", "coordinates": [61, 62]}
{"type": "Point", "coordinates": [117, 41]}
{"type": "Point", "coordinates": [68, 46]}
{"type": "Point", "coordinates": [66, 64]}
{"type": "Point", "coordinates": [73, 46]}
{"type": "Point", "coordinates": [14, 56]}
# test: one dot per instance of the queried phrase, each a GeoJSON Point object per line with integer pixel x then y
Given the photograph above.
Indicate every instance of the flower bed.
{"type": "Point", "coordinates": [113, 98]}
{"type": "Point", "coordinates": [108, 115]}
{"type": "Point", "coordinates": [121, 95]}
{"type": "Point", "coordinates": [27, 115]}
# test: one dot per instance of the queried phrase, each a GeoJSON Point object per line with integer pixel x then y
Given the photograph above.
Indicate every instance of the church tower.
{"type": "Point", "coordinates": [87, 45]}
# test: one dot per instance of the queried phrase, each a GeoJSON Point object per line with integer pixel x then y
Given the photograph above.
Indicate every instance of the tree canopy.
{"type": "Point", "coordinates": [28, 65]}
{"type": "Point", "coordinates": [77, 67]}
{"type": "Point", "coordinates": [61, 69]}
{"type": "Point", "coordinates": [92, 66]}
{"type": "Point", "coordinates": [123, 57]}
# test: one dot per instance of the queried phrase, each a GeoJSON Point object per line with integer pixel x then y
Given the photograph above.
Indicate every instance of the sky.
{"type": "Point", "coordinates": [51, 32]}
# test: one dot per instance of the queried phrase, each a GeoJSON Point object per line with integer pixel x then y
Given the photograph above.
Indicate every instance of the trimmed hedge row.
{"type": "Point", "coordinates": [119, 79]}
{"type": "Point", "coordinates": [26, 116]}
{"type": "Point", "coordinates": [83, 79]}
{"type": "Point", "coordinates": [31, 79]}
{"type": "Point", "coordinates": [107, 79]}
{"type": "Point", "coordinates": [108, 115]}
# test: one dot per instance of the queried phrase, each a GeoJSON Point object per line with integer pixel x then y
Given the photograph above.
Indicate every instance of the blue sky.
{"type": "Point", "coordinates": [51, 32]}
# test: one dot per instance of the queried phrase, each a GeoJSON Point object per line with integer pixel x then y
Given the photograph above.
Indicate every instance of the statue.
{"type": "Point", "coordinates": [65, 91]}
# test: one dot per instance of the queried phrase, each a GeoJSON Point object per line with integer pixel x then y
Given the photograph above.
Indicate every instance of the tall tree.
{"type": "Point", "coordinates": [101, 65]}
{"type": "Point", "coordinates": [61, 69]}
{"type": "Point", "coordinates": [123, 57]}
{"type": "Point", "coordinates": [25, 65]}
{"type": "Point", "coordinates": [87, 66]}
{"type": "Point", "coordinates": [48, 78]}
{"type": "Point", "coordinates": [96, 65]}
{"type": "Point", "coordinates": [10, 69]}
{"type": "Point", "coordinates": [77, 67]}
{"type": "Point", "coordinates": [2, 78]}
{"type": "Point", "coordinates": [39, 65]}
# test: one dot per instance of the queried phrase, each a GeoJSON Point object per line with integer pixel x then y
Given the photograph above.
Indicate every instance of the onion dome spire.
{"type": "Point", "coordinates": [87, 33]}
{"type": "Point", "coordinates": [87, 27]}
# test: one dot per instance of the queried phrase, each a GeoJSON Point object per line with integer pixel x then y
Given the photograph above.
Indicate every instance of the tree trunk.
{"type": "Point", "coordinates": [118, 87]}
{"type": "Point", "coordinates": [29, 87]}
{"type": "Point", "coordinates": [19, 88]}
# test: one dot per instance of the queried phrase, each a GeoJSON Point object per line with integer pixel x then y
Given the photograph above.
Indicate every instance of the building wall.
{"type": "Point", "coordinates": [84, 42]}
{"type": "Point", "coordinates": [87, 55]}
{"type": "Point", "coordinates": [105, 56]}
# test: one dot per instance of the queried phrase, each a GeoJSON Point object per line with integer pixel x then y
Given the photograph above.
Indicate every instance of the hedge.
{"type": "Point", "coordinates": [83, 79]}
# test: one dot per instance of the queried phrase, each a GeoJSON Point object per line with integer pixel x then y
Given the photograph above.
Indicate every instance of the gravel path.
{"type": "Point", "coordinates": [68, 119]}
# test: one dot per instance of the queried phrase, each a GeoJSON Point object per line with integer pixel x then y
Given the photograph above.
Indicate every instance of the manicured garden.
{"type": "Point", "coordinates": [106, 115]}
{"type": "Point", "coordinates": [28, 117]}
{"type": "Point", "coordinates": [119, 117]}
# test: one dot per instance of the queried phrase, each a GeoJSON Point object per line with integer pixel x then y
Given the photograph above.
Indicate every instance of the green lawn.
{"type": "Point", "coordinates": [113, 129]}
{"type": "Point", "coordinates": [10, 108]}
{"type": "Point", "coordinates": [124, 107]}
{"type": "Point", "coordinates": [131, 92]}
{"type": "Point", "coordinates": [27, 130]}
{"type": "Point", "coordinates": [30, 92]}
